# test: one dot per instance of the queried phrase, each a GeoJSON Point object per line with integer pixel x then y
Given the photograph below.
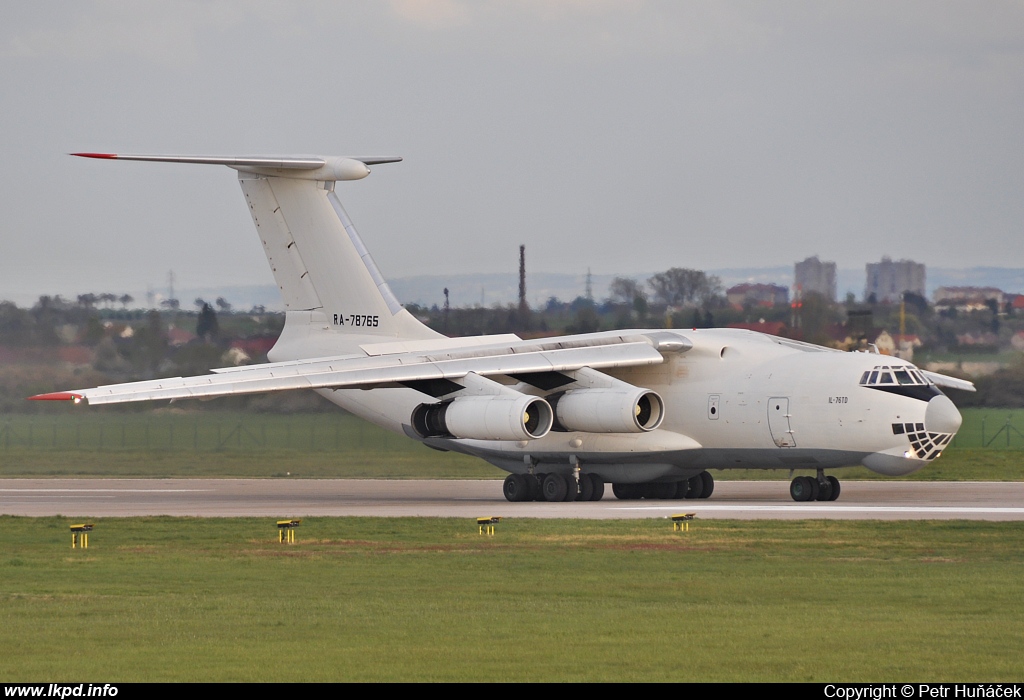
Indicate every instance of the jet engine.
{"type": "Point", "coordinates": [502, 417]}
{"type": "Point", "coordinates": [617, 410]}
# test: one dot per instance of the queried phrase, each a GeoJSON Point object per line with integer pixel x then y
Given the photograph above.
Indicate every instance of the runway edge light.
{"type": "Point", "coordinates": [681, 521]}
{"type": "Point", "coordinates": [80, 535]}
{"type": "Point", "coordinates": [487, 523]}
{"type": "Point", "coordinates": [286, 530]}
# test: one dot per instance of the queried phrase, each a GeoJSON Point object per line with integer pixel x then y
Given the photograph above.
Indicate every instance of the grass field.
{"type": "Point", "coordinates": [357, 599]}
{"type": "Point", "coordinates": [225, 444]}
{"type": "Point", "coordinates": [220, 444]}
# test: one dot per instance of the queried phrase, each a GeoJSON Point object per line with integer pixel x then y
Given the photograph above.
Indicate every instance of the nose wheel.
{"type": "Point", "coordinates": [806, 488]}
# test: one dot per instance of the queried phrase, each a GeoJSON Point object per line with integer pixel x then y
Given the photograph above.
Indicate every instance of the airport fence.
{"type": "Point", "coordinates": [991, 430]}
{"type": "Point", "coordinates": [317, 432]}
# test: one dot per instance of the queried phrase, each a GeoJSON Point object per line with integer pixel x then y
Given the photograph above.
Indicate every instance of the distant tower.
{"type": "Point", "coordinates": [797, 308]}
{"type": "Point", "coordinates": [590, 286]}
{"type": "Point", "coordinates": [888, 280]}
{"type": "Point", "coordinates": [813, 275]}
{"type": "Point", "coordinates": [447, 307]}
{"type": "Point", "coordinates": [524, 309]}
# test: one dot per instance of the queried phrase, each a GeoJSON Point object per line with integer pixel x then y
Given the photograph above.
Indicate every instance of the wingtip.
{"type": "Point", "coordinates": [103, 156]}
{"type": "Point", "coordinates": [57, 396]}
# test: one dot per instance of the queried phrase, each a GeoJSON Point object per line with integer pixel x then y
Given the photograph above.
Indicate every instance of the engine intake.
{"type": "Point", "coordinates": [499, 417]}
{"type": "Point", "coordinates": [610, 410]}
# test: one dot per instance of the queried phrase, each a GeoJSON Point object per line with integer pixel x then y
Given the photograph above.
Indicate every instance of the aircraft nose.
{"type": "Point", "coordinates": [941, 415]}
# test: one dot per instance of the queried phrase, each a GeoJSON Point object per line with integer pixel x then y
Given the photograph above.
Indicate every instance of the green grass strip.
{"type": "Point", "coordinates": [366, 599]}
{"type": "Point", "coordinates": [337, 445]}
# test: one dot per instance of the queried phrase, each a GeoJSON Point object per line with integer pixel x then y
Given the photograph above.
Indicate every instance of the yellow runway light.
{"type": "Point", "coordinates": [286, 530]}
{"type": "Point", "coordinates": [80, 535]}
{"type": "Point", "coordinates": [681, 521]}
{"type": "Point", "coordinates": [487, 524]}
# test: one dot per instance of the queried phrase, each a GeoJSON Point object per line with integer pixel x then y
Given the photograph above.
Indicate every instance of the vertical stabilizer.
{"type": "Point", "coordinates": [335, 296]}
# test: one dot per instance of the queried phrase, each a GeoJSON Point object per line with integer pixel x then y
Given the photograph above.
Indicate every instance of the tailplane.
{"type": "Point", "coordinates": [335, 297]}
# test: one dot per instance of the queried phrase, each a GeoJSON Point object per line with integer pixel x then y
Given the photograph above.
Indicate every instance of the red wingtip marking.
{"type": "Point", "coordinates": [57, 396]}
{"type": "Point", "coordinates": [107, 156]}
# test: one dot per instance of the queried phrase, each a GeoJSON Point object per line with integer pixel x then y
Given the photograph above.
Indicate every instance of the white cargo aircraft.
{"type": "Point", "coordinates": [649, 411]}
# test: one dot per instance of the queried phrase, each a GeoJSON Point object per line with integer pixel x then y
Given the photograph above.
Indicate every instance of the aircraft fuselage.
{"type": "Point", "coordinates": [735, 400]}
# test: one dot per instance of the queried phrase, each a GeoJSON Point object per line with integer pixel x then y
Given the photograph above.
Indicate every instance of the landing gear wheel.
{"type": "Point", "coordinates": [661, 491]}
{"type": "Point", "coordinates": [554, 487]}
{"type": "Point", "coordinates": [814, 487]}
{"type": "Point", "coordinates": [597, 483]}
{"type": "Point", "coordinates": [586, 488]}
{"type": "Point", "coordinates": [803, 488]}
{"type": "Point", "coordinates": [709, 485]}
{"type": "Point", "coordinates": [533, 488]}
{"type": "Point", "coordinates": [824, 490]}
{"type": "Point", "coordinates": [835, 487]}
{"type": "Point", "coordinates": [682, 488]}
{"type": "Point", "coordinates": [696, 487]}
{"type": "Point", "coordinates": [626, 492]}
{"type": "Point", "coordinates": [572, 490]}
{"type": "Point", "coordinates": [515, 488]}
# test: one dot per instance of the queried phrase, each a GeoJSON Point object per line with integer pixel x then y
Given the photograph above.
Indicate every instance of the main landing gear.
{"type": "Point", "coordinates": [807, 488]}
{"type": "Point", "coordinates": [556, 487]}
{"type": "Point", "coordinates": [553, 487]}
{"type": "Point", "coordinates": [700, 486]}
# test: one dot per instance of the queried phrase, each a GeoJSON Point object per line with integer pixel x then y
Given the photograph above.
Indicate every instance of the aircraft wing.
{"type": "Point", "coordinates": [394, 369]}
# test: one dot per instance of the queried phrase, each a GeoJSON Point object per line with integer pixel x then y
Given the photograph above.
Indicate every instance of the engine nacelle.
{"type": "Point", "coordinates": [501, 417]}
{"type": "Point", "coordinates": [633, 410]}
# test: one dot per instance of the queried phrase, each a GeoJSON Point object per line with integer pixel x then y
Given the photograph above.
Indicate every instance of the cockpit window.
{"type": "Point", "coordinates": [894, 376]}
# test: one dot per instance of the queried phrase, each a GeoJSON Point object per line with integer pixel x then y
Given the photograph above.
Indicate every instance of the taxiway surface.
{"type": "Point", "coordinates": [281, 498]}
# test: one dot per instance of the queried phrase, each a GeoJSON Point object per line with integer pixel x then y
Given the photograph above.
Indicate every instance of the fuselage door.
{"type": "Point", "coordinates": [778, 421]}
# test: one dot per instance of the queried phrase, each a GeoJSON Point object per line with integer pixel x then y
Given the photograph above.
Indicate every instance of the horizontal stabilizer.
{"type": "Point", "coordinates": [303, 167]}
{"type": "Point", "coordinates": [285, 162]}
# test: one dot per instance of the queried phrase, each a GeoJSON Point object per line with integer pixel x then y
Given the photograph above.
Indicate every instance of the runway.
{"type": "Point", "coordinates": [292, 498]}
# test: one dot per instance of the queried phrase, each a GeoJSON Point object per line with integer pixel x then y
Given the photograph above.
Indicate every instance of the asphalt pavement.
{"type": "Point", "coordinates": [280, 498]}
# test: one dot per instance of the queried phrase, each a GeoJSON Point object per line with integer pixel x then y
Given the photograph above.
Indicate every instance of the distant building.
{"type": "Point", "coordinates": [985, 340]}
{"type": "Point", "coordinates": [888, 280]}
{"type": "Point", "coordinates": [176, 337]}
{"type": "Point", "coordinates": [813, 275]}
{"type": "Point", "coordinates": [968, 298]}
{"type": "Point", "coordinates": [757, 295]}
{"type": "Point", "coordinates": [885, 344]}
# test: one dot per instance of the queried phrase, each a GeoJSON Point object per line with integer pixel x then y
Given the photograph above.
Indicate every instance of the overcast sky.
{"type": "Point", "coordinates": [620, 136]}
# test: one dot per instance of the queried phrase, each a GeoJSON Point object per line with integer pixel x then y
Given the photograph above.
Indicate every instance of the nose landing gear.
{"type": "Point", "coordinates": [823, 488]}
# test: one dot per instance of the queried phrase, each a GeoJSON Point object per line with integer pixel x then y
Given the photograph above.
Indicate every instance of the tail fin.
{"type": "Point", "coordinates": [336, 298]}
{"type": "Point", "coordinates": [327, 278]}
